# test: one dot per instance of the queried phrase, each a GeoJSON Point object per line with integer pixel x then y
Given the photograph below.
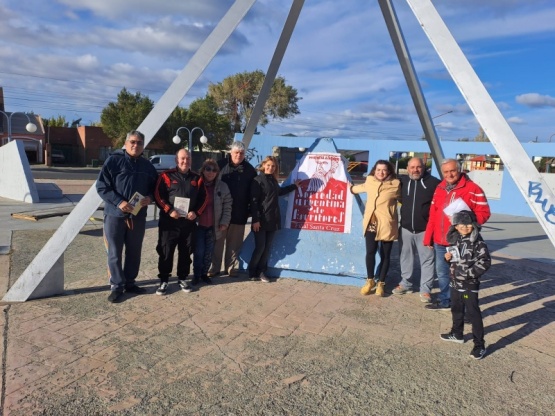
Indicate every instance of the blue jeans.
{"type": "Point", "coordinates": [442, 271]}
{"type": "Point", "coordinates": [204, 248]}
{"type": "Point", "coordinates": [119, 235]}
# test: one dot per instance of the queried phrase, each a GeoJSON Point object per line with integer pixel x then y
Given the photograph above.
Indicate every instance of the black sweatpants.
{"type": "Point", "coordinates": [180, 234]}
{"type": "Point", "coordinates": [467, 303]}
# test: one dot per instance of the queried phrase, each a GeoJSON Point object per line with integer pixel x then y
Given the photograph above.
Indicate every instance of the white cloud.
{"type": "Point", "coordinates": [515, 120]}
{"type": "Point", "coordinates": [535, 100]}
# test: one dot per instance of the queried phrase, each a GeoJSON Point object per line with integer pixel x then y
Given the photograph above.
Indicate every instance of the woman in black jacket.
{"type": "Point", "coordinates": [266, 218]}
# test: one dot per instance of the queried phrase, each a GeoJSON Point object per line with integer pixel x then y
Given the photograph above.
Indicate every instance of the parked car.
{"type": "Point", "coordinates": [57, 156]}
{"type": "Point", "coordinates": [163, 162]}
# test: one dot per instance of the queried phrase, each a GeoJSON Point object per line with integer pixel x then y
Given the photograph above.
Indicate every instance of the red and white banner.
{"type": "Point", "coordinates": [323, 201]}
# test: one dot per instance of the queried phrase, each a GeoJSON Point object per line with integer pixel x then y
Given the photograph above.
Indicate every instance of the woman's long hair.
{"type": "Point", "coordinates": [270, 159]}
{"type": "Point", "coordinates": [390, 169]}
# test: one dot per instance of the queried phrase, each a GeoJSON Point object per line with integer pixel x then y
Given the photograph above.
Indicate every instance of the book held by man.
{"type": "Point", "coordinates": [181, 205]}
{"type": "Point", "coordinates": [135, 202]}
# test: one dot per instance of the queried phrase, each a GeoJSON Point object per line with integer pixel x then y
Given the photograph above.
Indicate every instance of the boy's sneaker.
{"type": "Point", "coordinates": [264, 278]}
{"type": "Point", "coordinates": [185, 287]}
{"type": "Point", "coordinates": [438, 307]}
{"type": "Point", "coordinates": [425, 297]}
{"type": "Point", "coordinates": [452, 337]}
{"type": "Point", "coordinates": [400, 290]}
{"type": "Point", "coordinates": [478, 352]}
{"type": "Point", "coordinates": [162, 289]}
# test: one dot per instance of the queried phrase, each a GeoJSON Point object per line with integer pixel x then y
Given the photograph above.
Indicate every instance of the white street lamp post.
{"type": "Point", "coordinates": [397, 155]}
{"type": "Point", "coordinates": [176, 139]}
{"type": "Point", "coordinates": [30, 127]}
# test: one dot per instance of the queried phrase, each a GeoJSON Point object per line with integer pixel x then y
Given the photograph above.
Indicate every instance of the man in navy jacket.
{"type": "Point", "coordinates": [417, 190]}
{"type": "Point", "coordinates": [124, 174]}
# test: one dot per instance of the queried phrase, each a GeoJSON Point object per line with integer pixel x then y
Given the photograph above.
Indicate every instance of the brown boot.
{"type": "Point", "coordinates": [367, 288]}
{"type": "Point", "coordinates": [380, 289]}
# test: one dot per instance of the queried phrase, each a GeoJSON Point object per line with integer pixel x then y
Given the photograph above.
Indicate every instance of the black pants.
{"type": "Point", "coordinates": [180, 234]}
{"type": "Point", "coordinates": [385, 254]}
{"type": "Point", "coordinates": [467, 303]}
{"type": "Point", "coordinates": [261, 254]}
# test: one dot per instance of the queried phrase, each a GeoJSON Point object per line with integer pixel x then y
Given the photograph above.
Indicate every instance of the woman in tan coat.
{"type": "Point", "coordinates": [380, 222]}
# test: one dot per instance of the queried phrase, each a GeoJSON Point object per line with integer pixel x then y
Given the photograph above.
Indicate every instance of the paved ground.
{"type": "Point", "coordinates": [289, 347]}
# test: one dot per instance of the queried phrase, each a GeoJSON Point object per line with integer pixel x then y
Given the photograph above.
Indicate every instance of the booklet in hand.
{"type": "Point", "coordinates": [135, 202]}
{"type": "Point", "coordinates": [181, 205]}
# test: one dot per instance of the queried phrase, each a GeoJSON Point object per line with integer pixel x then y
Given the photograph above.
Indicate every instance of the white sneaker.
{"type": "Point", "coordinates": [264, 278]}
{"type": "Point", "coordinates": [162, 289]}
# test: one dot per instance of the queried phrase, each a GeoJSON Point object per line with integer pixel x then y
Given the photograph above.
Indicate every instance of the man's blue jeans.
{"type": "Point", "coordinates": [442, 271]}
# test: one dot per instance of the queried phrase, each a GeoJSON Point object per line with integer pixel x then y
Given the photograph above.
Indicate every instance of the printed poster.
{"type": "Point", "coordinates": [323, 201]}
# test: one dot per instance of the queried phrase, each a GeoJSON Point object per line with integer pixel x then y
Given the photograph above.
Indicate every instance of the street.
{"type": "Point", "coordinates": [61, 172]}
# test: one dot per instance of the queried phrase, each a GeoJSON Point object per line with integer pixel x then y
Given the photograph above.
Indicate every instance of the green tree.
{"type": "Point", "coordinates": [203, 112]}
{"type": "Point", "coordinates": [236, 95]}
{"type": "Point", "coordinates": [124, 115]}
{"type": "Point", "coordinates": [59, 121]}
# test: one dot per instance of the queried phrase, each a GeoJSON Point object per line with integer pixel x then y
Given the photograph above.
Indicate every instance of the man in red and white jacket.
{"type": "Point", "coordinates": [455, 185]}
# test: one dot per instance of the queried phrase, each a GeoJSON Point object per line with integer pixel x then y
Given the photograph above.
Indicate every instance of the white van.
{"type": "Point", "coordinates": [162, 162]}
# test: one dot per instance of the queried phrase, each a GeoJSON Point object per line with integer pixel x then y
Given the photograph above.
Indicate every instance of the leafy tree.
{"type": "Point", "coordinates": [59, 121]}
{"type": "Point", "coordinates": [236, 95]}
{"type": "Point", "coordinates": [124, 115]}
{"type": "Point", "coordinates": [203, 112]}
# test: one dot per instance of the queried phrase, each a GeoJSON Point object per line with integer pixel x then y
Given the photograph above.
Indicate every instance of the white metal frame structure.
{"type": "Point", "coordinates": [529, 181]}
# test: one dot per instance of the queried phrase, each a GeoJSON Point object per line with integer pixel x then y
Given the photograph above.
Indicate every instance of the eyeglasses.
{"type": "Point", "coordinates": [465, 225]}
{"type": "Point", "coordinates": [210, 169]}
{"type": "Point", "coordinates": [135, 142]}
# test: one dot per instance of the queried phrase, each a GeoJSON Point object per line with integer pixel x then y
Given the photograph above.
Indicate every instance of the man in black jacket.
{"type": "Point", "coordinates": [238, 174]}
{"type": "Point", "coordinates": [417, 191]}
{"type": "Point", "coordinates": [181, 200]}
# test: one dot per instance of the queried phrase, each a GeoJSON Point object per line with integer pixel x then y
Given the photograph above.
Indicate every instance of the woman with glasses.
{"type": "Point", "coordinates": [213, 221]}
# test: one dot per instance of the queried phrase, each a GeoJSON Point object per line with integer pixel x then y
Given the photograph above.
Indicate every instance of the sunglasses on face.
{"type": "Point", "coordinates": [210, 169]}
{"type": "Point", "coordinates": [135, 142]}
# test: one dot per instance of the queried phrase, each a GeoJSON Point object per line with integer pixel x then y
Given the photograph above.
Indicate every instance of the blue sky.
{"type": "Point", "coordinates": [72, 57]}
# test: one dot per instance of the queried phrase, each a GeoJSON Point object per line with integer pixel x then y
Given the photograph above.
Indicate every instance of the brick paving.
{"type": "Point", "coordinates": [79, 352]}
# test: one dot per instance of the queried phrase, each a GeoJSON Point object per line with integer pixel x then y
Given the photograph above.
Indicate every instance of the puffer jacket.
{"type": "Point", "coordinates": [439, 223]}
{"type": "Point", "coordinates": [222, 205]}
{"type": "Point", "coordinates": [474, 261]}
{"type": "Point", "coordinates": [381, 202]}
{"type": "Point", "coordinates": [120, 177]}
{"type": "Point", "coordinates": [416, 199]}
{"type": "Point", "coordinates": [265, 193]}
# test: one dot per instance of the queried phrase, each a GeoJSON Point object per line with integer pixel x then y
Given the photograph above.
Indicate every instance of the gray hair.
{"type": "Point", "coordinates": [236, 145]}
{"type": "Point", "coordinates": [449, 160]}
{"type": "Point", "coordinates": [135, 133]}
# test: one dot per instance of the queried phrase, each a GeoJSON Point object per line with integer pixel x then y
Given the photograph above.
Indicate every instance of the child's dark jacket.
{"type": "Point", "coordinates": [474, 262]}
